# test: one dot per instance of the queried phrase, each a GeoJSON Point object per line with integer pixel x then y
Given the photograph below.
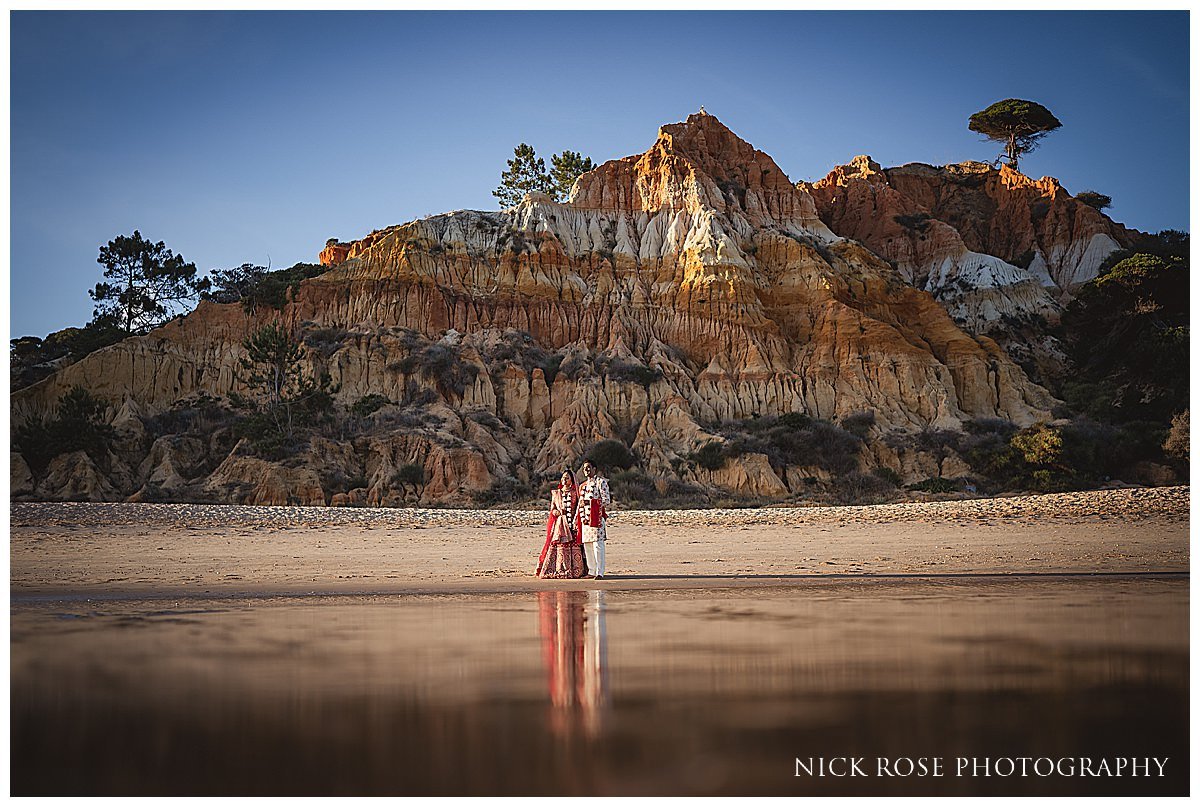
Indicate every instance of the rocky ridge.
{"type": "Point", "coordinates": [697, 263]}
{"type": "Point", "coordinates": [1001, 251]}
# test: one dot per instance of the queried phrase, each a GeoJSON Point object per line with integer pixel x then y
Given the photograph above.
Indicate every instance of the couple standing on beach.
{"type": "Point", "coordinates": [577, 527]}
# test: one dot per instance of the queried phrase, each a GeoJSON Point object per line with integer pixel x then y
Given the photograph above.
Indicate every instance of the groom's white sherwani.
{"type": "Point", "coordinates": [595, 489]}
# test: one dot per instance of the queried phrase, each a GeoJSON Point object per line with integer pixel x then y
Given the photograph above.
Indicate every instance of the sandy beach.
{"type": "Point", "coordinates": [182, 649]}
{"type": "Point", "coordinates": [106, 550]}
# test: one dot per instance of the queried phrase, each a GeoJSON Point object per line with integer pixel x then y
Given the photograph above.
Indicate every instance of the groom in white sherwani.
{"type": "Point", "coordinates": [594, 499]}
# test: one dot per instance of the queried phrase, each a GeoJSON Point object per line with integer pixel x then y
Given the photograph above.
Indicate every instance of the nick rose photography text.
{"type": "Point", "coordinates": [982, 766]}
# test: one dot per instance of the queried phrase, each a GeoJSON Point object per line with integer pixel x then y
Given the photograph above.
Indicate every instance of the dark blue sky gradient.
{"type": "Point", "coordinates": [239, 137]}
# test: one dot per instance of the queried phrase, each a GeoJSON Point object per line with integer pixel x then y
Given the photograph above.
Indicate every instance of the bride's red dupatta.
{"type": "Point", "coordinates": [551, 518]}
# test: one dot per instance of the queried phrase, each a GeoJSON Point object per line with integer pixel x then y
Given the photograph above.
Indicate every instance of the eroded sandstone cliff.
{"type": "Point", "coordinates": [999, 250]}
{"type": "Point", "coordinates": [698, 262]}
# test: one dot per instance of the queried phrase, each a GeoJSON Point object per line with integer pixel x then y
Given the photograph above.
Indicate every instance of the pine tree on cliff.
{"type": "Point", "coordinates": [1018, 124]}
{"type": "Point", "coordinates": [150, 284]}
{"type": "Point", "coordinates": [526, 174]}
{"type": "Point", "coordinates": [284, 397]}
{"type": "Point", "coordinates": [1094, 199]}
{"type": "Point", "coordinates": [566, 168]}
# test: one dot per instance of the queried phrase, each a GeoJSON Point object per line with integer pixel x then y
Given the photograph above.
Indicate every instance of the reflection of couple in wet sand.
{"type": "Point", "coordinates": [577, 527]}
{"type": "Point", "coordinates": [575, 650]}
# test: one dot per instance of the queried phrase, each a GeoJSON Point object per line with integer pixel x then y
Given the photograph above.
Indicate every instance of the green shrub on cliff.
{"type": "Point", "coordinates": [1126, 333]}
{"type": "Point", "coordinates": [440, 363]}
{"type": "Point", "coordinates": [410, 474]}
{"type": "Point", "coordinates": [520, 349]}
{"type": "Point", "coordinates": [633, 487]}
{"type": "Point", "coordinates": [633, 372]}
{"type": "Point", "coordinates": [794, 439]}
{"type": "Point", "coordinates": [274, 289]}
{"type": "Point", "coordinates": [368, 405]}
{"type": "Point", "coordinates": [32, 358]}
{"type": "Point", "coordinates": [507, 490]}
{"type": "Point", "coordinates": [283, 400]}
{"type": "Point", "coordinates": [609, 455]}
{"type": "Point", "coordinates": [918, 222]}
{"type": "Point", "coordinates": [857, 487]}
{"type": "Point", "coordinates": [257, 287]}
{"type": "Point", "coordinates": [78, 424]}
{"type": "Point", "coordinates": [710, 456]}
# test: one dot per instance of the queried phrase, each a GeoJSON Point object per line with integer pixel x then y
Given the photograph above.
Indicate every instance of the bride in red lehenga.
{"type": "Point", "coordinates": [562, 554]}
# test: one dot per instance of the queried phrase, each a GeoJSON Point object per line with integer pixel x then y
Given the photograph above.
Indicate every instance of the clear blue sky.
{"type": "Point", "coordinates": [239, 137]}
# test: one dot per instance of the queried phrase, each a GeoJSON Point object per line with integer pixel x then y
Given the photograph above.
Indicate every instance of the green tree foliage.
{"type": "Point", "coordinates": [149, 283]}
{"type": "Point", "coordinates": [440, 362]}
{"type": "Point", "coordinates": [234, 285]}
{"type": "Point", "coordinates": [527, 174]}
{"type": "Point", "coordinates": [409, 474]}
{"type": "Point", "coordinates": [1127, 336]}
{"type": "Point", "coordinates": [1176, 446]}
{"type": "Point", "coordinates": [1164, 244]}
{"type": "Point", "coordinates": [504, 491]}
{"type": "Point", "coordinates": [1065, 456]}
{"type": "Point", "coordinates": [283, 399]}
{"type": "Point", "coordinates": [1041, 446]}
{"type": "Point", "coordinates": [794, 439]}
{"type": "Point", "coordinates": [256, 287]}
{"type": "Point", "coordinates": [1029, 459]}
{"type": "Point", "coordinates": [1094, 199]}
{"type": "Point", "coordinates": [936, 484]}
{"type": "Point", "coordinates": [77, 424]}
{"type": "Point", "coordinates": [633, 487]}
{"type": "Point", "coordinates": [565, 168]}
{"type": "Point", "coordinates": [710, 456]}
{"type": "Point", "coordinates": [609, 454]}
{"type": "Point", "coordinates": [632, 371]}
{"type": "Point", "coordinates": [369, 404]}
{"type": "Point", "coordinates": [1016, 123]}
{"type": "Point", "coordinates": [32, 358]}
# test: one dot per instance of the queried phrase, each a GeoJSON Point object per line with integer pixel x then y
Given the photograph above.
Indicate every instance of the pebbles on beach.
{"type": "Point", "coordinates": [1129, 504]}
{"type": "Point", "coordinates": [84, 549]}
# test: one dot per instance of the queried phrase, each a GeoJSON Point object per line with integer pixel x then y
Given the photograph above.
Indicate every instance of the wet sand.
{"type": "Point", "coordinates": [208, 650]}
{"type": "Point", "coordinates": [106, 550]}
{"type": "Point", "coordinates": [672, 692]}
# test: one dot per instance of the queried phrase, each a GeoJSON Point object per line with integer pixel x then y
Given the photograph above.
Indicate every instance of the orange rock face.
{"type": "Point", "coordinates": [334, 253]}
{"type": "Point", "coordinates": [1033, 224]}
{"type": "Point", "coordinates": [998, 250]}
{"type": "Point", "coordinates": [698, 261]}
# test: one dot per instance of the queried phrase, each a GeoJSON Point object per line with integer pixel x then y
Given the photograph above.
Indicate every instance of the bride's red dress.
{"type": "Point", "coordinates": [563, 559]}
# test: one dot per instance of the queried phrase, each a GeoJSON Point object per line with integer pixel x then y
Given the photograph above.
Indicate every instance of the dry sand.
{"type": "Point", "coordinates": [115, 550]}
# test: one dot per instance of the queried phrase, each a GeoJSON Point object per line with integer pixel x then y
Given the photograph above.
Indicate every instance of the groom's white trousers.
{"type": "Point", "coordinates": [594, 552]}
